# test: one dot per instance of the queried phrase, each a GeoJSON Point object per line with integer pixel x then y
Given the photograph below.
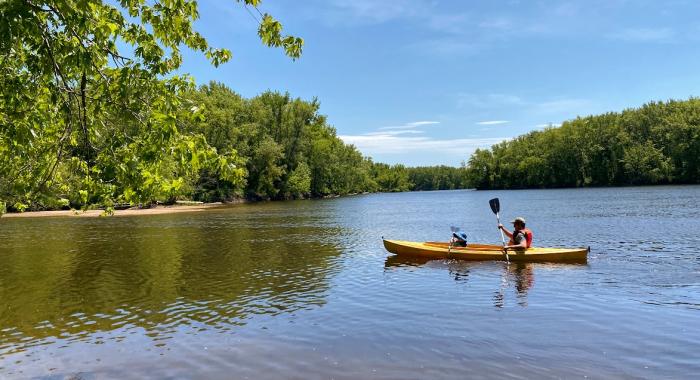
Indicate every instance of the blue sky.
{"type": "Point", "coordinates": [427, 82]}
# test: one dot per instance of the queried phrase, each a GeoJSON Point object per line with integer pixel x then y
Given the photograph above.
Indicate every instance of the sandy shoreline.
{"type": "Point", "coordinates": [155, 210]}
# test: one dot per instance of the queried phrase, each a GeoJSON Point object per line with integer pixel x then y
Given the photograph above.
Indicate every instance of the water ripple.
{"type": "Point", "coordinates": [280, 290]}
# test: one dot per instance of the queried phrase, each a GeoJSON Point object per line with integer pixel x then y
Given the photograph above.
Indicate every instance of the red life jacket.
{"type": "Point", "coordinates": [528, 236]}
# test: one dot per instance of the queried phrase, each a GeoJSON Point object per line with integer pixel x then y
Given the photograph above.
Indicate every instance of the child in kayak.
{"type": "Point", "coordinates": [521, 237]}
{"type": "Point", "coordinates": [459, 239]}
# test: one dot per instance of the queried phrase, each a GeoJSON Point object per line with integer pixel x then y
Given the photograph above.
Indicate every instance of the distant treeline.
{"type": "Point", "coordinates": [290, 151]}
{"type": "Point", "coordinates": [658, 143]}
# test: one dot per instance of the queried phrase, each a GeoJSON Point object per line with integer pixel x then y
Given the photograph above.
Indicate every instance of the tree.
{"type": "Point", "coordinates": [266, 169]}
{"type": "Point", "coordinates": [480, 168]}
{"type": "Point", "coordinates": [299, 183]}
{"type": "Point", "coordinates": [645, 164]}
{"type": "Point", "coordinates": [391, 178]}
{"type": "Point", "coordinates": [656, 143]}
{"type": "Point", "coordinates": [84, 120]}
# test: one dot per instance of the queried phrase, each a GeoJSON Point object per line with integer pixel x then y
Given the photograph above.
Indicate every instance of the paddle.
{"type": "Point", "coordinates": [449, 246]}
{"type": "Point", "coordinates": [496, 208]}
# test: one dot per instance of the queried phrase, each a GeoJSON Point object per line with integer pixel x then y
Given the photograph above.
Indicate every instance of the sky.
{"type": "Point", "coordinates": [426, 82]}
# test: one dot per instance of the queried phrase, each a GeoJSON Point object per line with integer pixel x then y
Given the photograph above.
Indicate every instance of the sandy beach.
{"type": "Point", "coordinates": [155, 210]}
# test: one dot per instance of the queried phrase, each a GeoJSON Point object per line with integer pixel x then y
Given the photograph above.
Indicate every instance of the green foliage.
{"type": "Point", "coordinates": [643, 163]}
{"type": "Point", "coordinates": [290, 151]}
{"type": "Point", "coordinates": [82, 120]}
{"type": "Point", "coordinates": [657, 143]}
{"type": "Point", "coordinates": [267, 169]}
{"type": "Point", "coordinates": [92, 113]}
{"type": "Point", "coordinates": [437, 178]}
{"type": "Point", "coordinates": [391, 178]}
{"type": "Point", "coordinates": [299, 182]}
{"type": "Point", "coordinates": [288, 148]}
{"type": "Point", "coordinates": [270, 33]}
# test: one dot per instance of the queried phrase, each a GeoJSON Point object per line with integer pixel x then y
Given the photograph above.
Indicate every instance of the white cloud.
{"type": "Point", "coordinates": [350, 12]}
{"type": "Point", "coordinates": [645, 35]}
{"type": "Point", "coordinates": [567, 106]}
{"type": "Point", "coordinates": [419, 123]}
{"type": "Point", "coordinates": [548, 125]}
{"type": "Point", "coordinates": [455, 31]}
{"type": "Point", "coordinates": [394, 133]}
{"type": "Point", "coordinates": [406, 142]}
{"type": "Point", "coordinates": [492, 122]}
{"type": "Point", "coordinates": [460, 32]}
{"type": "Point", "coordinates": [414, 124]}
{"type": "Point", "coordinates": [389, 144]}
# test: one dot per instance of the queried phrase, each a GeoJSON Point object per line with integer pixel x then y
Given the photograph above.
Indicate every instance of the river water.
{"type": "Point", "coordinates": [306, 290]}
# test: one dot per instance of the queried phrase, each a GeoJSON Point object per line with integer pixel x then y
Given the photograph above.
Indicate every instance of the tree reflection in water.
{"type": "Point", "coordinates": [89, 281]}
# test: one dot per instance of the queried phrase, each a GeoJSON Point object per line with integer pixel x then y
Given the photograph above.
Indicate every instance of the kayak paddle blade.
{"type": "Point", "coordinates": [495, 205]}
{"type": "Point", "coordinates": [454, 229]}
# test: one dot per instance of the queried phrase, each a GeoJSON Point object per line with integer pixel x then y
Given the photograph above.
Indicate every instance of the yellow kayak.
{"type": "Point", "coordinates": [440, 250]}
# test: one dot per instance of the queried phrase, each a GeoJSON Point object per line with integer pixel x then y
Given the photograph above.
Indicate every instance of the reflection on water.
{"type": "Point", "coordinates": [78, 280]}
{"type": "Point", "coordinates": [519, 277]}
{"type": "Point", "coordinates": [522, 276]}
{"type": "Point", "coordinates": [306, 289]}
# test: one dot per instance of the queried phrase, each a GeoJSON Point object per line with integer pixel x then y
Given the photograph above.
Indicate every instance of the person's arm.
{"type": "Point", "coordinates": [523, 244]}
{"type": "Point", "coordinates": [505, 230]}
{"type": "Point", "coordinates": [522, 241]}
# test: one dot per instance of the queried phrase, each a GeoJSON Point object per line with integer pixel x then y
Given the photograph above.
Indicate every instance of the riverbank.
{"type": "Point", "coordinates": [153, 210]}
{"type": "Point", "coordinates": [180, 207]}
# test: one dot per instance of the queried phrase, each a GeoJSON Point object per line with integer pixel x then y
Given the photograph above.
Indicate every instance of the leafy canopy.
{"type": "Point", "coordinates": [657, 143]}
{"type": "Point", "coordinates": [90, 111]}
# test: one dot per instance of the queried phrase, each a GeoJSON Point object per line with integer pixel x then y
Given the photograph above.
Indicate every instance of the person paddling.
{"type": "Point", "coordinates": [521, 237]}
{"type": "Point", "coordinates": [459, 239]}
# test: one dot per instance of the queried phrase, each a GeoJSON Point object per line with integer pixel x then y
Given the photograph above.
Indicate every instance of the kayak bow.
{"type": "Point", "coordinates": [440, 250]}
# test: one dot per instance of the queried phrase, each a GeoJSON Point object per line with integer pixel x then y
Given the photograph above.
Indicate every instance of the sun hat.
{"type": "Point", "coordinates": [518, 219]}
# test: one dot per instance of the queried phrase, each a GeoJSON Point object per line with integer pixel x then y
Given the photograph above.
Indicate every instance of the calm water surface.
{"type": "Point", "coordinates": [306, 290]}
